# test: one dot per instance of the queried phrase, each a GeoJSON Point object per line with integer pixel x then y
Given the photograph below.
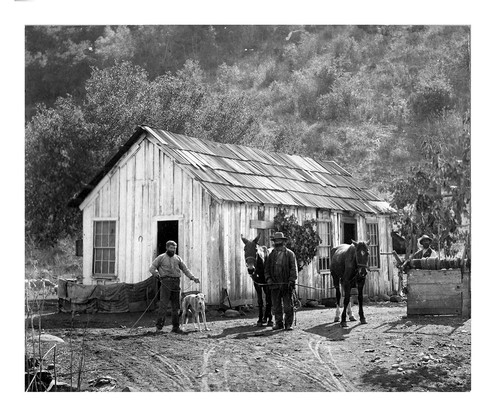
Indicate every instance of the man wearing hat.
{"type": "Point", "coordinates": [281, 274]}
{"type": "Point", "coordinates": [426, 251]}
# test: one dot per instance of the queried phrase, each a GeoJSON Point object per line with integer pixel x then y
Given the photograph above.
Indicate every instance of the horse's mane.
{"type": "Point", "coordinates": [262, 254]}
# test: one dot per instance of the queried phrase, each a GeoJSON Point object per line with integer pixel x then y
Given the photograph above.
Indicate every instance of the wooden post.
{"type": "Point", "coordinates": [466, 295]}
{"type": "Point", "coordinates": [396, 256]}
{"type": "Point", "coordinates": [466, 287]}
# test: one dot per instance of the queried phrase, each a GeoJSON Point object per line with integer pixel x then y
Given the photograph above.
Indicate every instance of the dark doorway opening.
{"type": "Point", "coordinates": [168, 230]}
{"type": "Point", "coordinates": [349, 232]}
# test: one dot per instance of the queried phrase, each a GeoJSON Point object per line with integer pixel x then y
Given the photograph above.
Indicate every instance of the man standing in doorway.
{"type": "Point", "coordinates": [168, 267]}
{"type": "Point", "coordinates": [281, 275]}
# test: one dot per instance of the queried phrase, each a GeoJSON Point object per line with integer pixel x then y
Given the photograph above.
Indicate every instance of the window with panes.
{"type": "Point", "coordinates": [324, 229]}
{"type": "Point", "coordinates": [104, 261]}
{"type": "Point", "coordinates": [374, 247]}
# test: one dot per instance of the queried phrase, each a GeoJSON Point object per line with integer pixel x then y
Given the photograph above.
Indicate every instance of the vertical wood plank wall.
{"type": "Point", "coordinates": [147, 185]}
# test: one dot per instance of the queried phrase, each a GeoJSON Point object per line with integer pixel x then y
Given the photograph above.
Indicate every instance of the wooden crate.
{"type": "Point", "coordinates": [438, 292]}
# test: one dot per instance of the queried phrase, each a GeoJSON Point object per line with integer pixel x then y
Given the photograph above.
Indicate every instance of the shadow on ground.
{"type": "Point", "coordinates": [333, 331]}
{"type": "Point", "coordinates": [419, 378]}
{"type": "Point", "coordinates": [51, 319]}
{"type": "Point", "coordinates": [423, 325]}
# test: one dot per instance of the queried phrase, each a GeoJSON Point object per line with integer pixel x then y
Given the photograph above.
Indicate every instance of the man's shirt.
{"type": "Point", "coordinates": [170, 266]}
{"type": "Point", "coordinates": [424, 253]}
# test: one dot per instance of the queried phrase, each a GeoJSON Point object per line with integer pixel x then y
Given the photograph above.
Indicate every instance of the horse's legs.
{"type": "Point", "coordinates": [337, 311]}
{"type": "Point", "coordinates": [268, 315]}
{"type": "Point", "coordinates": [347, 297]}
{"type": "Point", "coordinates": [349, 312]}
{"type": "Point", "coordinates": [260, 303]}
{"type": "Point", "coordinates": [362, 318]}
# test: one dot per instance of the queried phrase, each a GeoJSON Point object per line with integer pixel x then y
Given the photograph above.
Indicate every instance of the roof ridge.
{"type": "Point", "coordinates": [252, 150]}
{"type": "Point", "coordinates": [235, 172]}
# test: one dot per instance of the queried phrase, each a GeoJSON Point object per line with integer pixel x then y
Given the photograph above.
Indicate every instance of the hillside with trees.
{"type": "Point", "coordinates": [389, 103]}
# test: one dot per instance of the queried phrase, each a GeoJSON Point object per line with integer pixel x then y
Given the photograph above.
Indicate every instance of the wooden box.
{"type": "Point", "coordinates": [438, 292]}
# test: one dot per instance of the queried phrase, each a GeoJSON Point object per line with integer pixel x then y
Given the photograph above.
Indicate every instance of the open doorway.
{"type": "Point", "coordinates": [168, 230]}
{"type": "Point", "coordinates": [349, 232]}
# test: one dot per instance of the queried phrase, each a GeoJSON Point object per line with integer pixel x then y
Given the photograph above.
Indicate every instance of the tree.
{"type": "Point", "coordinates": [303, 239]}
{"type": "Point", "coordinates": [58, 62]}
{"type": "Point", "coordinates": [114, 45]}
{"type": "Point", "coordinates": [369, 98]}
{"type": "Point", "coordinates": [436, 197]}
{"type": "Point", "coordinates": [118, 99]}
{"type": "Point", "coordinates": [60, 157]}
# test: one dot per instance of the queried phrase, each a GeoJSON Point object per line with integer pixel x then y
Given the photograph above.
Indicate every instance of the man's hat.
{"type": "Point", "coordinates": [424, 237]}
{"type": "Point", "coordinates": [278, 235]}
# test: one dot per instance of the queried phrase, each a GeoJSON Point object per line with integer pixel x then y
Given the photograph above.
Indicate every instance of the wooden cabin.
{"type": "Point", "coordinates": [204, 195]}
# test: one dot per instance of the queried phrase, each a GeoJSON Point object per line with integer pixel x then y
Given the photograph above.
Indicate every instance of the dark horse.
{"type": "Point", "coordinates": [349, 266]}
{"type": "Point", "coordinates": [255, 259]}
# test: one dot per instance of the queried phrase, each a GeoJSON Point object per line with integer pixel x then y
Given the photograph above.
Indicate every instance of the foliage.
{"type": "Point", "coordinates": [114, 45]}
{"type": "Point", "coordinates": [432, 95]}
{"type": "Point", "coordinates": [58, 62]}
{"type": "Point", "coordinates": [368, 97]}
{"type": "Point", "coordinates": [303, 239]}
{"type": "Point", "coordinates": [60, 156]}
{"type": "Point", "coordinates": [435, 199]}
{"type": "Point", "coordinates": [67, 144]}
{"type": "Point", "coordinates": [118, 99]}
{"type": "Point", "coordinates": [52, 262]}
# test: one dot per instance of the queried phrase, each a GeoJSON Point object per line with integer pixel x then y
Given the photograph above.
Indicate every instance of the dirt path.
{"type": "Point", "coordinates": [390, 353]}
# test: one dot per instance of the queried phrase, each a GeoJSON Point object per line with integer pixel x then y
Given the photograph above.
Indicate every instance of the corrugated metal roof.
{"type": "Point", "coordinates": [239, 173]}
{"type": "Point", "coordinates": [243, 174]}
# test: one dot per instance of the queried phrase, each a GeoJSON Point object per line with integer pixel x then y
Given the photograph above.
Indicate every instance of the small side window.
{"type": "Point", "coordinates": [373, 237]}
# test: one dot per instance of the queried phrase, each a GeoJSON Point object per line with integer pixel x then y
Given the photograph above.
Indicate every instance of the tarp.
{"type": "Point", "coordinates": [110, 298]}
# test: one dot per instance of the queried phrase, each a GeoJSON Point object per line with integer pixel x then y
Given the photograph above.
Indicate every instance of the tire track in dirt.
{"type": "Point", "coordinates": [279, 364]}
{"type": "Point", "coordinates": [226, 378]}
{"type": "Point", "coordinates": [183, 380]}
{"type": "Point", "coordinates": [204, 373]}
{"type": "Point", "coordinates": [204, 366]}
{"type": "Point", "coordinates": [341, 385]}
{"type": "Point", "coordinates": [297, 367]}
{"type": "Point", "coordinates": [127, 369]}
{"type": "Point", "coordinates": [138, 368]}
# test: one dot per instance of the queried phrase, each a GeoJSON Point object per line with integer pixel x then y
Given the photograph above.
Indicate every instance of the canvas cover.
{"type": "Point", "coordinates": [107, 298]}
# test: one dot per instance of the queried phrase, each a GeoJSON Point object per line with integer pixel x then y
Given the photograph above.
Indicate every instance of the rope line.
{"type": "Point", "coordinates": [299, 285]}
{"type": "Point", "coordinates": [157, 293]}
{"type": "Point", "coordinates": [259, 284]}
{"type": "Point", "coordinates": [152, 300]}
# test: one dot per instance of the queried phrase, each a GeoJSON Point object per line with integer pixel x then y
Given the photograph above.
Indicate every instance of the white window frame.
{"type": "Point", "coordinates": [373, 235]}
{"type": "Point", "coordinates": [324, 229]}
{"type": "Point", "coordinates": [95, 248]}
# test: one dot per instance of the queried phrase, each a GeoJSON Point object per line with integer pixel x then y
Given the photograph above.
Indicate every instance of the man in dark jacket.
{"type": "Point", "coordinates": [425, 252]}
{"type": "Point", "coordinates": [281, 275]}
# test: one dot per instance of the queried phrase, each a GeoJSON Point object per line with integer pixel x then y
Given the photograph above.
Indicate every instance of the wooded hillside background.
{"type": "Point", "coordinates": [389, 103]}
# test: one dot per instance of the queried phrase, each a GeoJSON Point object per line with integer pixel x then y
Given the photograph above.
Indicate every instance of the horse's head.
{"type": "Point", "coordinates": [362, 253]}
{"type": "Point", "coordinates": [251, 251]}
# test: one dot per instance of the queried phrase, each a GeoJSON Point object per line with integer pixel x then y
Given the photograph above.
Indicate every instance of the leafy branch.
{"type": "Point", "coordinates": [303, 239]}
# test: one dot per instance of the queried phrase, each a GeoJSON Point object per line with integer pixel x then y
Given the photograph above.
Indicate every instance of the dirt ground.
{"type": "Point", "coordinates": [390, 353]}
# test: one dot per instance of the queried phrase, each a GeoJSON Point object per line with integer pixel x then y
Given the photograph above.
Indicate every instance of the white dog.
{"type": "Point", "coordinates": [196, 305]}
